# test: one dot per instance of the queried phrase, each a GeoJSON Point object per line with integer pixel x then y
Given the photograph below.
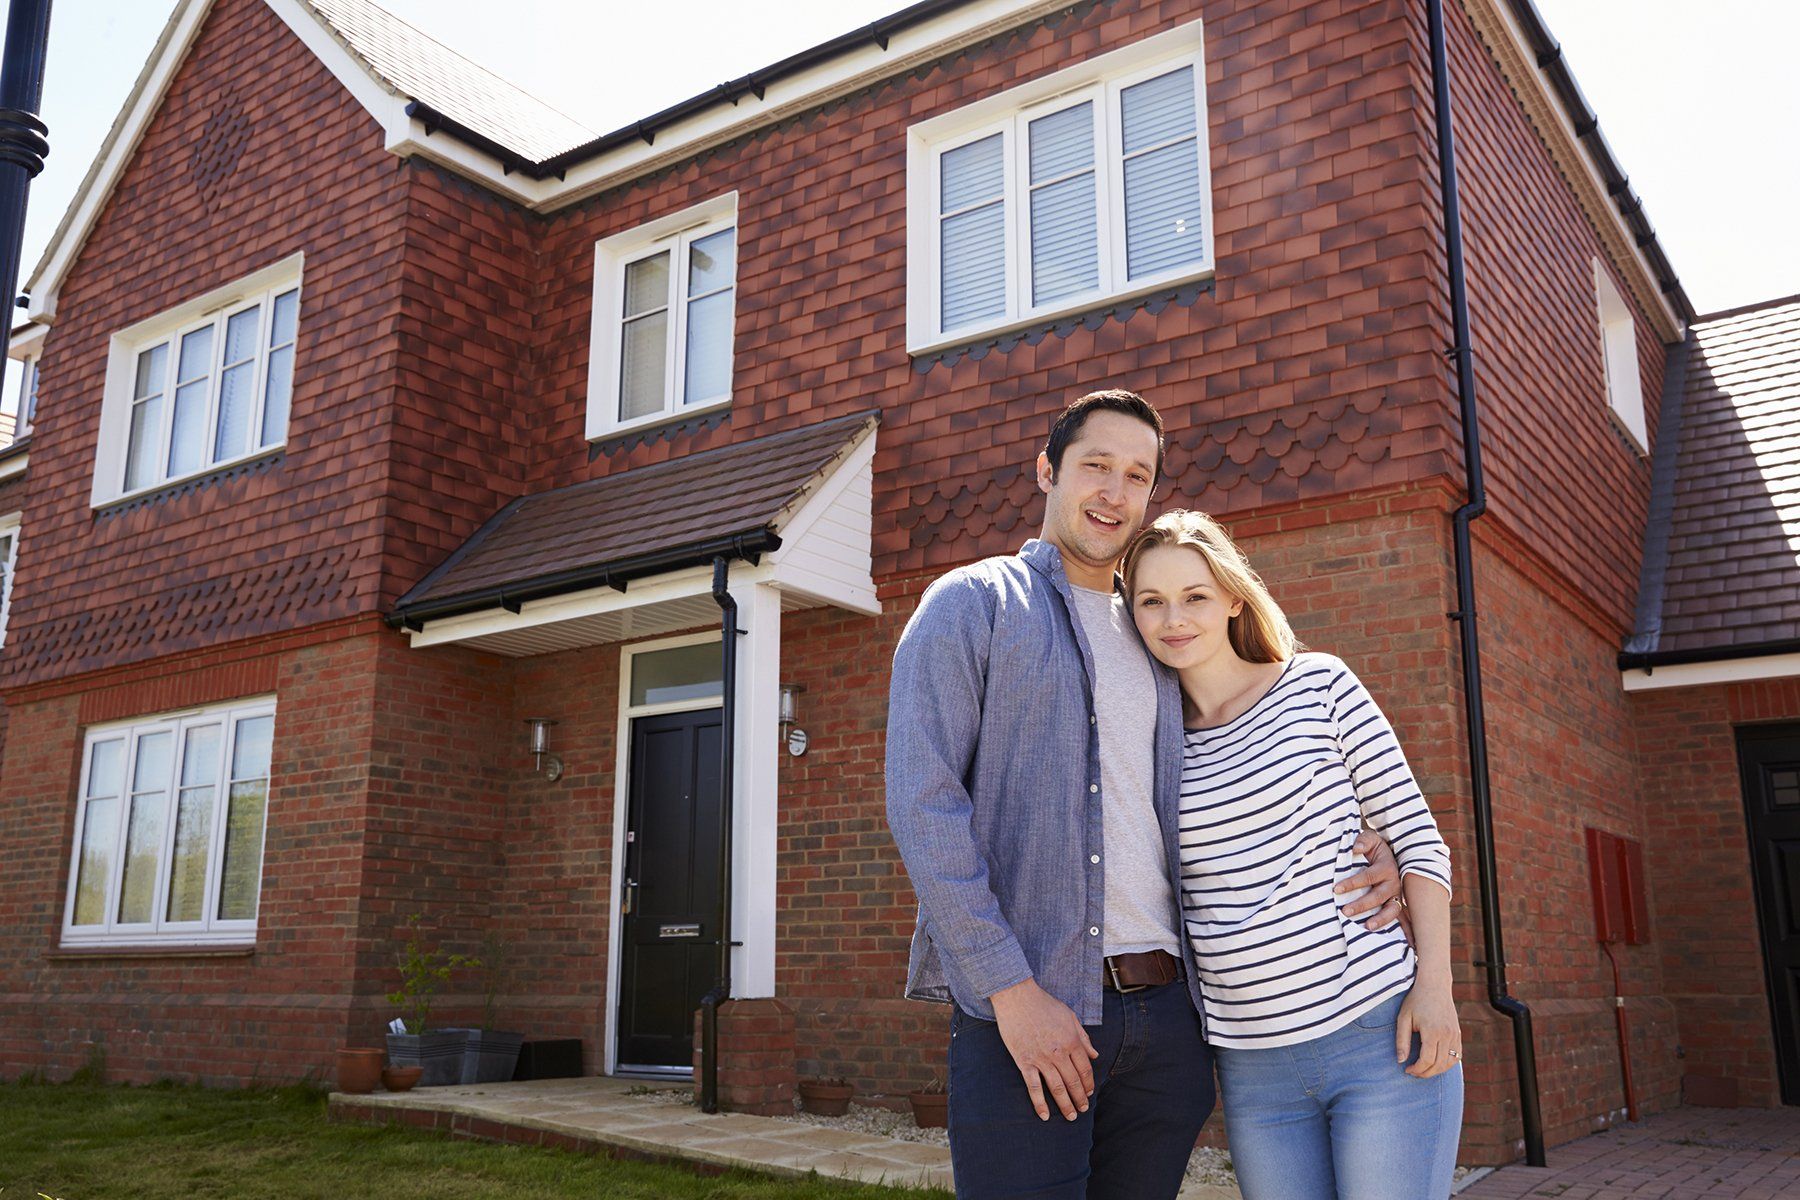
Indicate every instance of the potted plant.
{"type": "Point", "coordinates": [358, 1069]}
{"type": "Point", "coordinates": [826, 1097]}
{"type": "Point", "coordinates": [423, 970]}
{"type": "Point", "coordinates": [931, 1105]}
{"type": "Point", "coordinates": [491, 1055]}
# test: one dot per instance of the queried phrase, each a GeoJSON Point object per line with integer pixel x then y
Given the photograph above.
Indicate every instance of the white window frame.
{"type": "Point", "coordinates": [214, 308]}
{"type": "Point", "coordinates": [24, 418]}
{"type": "Point", "coordinates": [1100, 79]}
{"type": "Point", "coordinates": [676, 233]}
{"type": "Point", "coordinates": [1619, 359]}
{"type": "Point", "coordinates": [9, 524]}
{"type": "Point", "coordinates": [210, 931]}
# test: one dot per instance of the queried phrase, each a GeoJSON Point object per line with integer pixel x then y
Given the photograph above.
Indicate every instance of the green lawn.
{"type": "Point", "coordinates": [76, 1142]}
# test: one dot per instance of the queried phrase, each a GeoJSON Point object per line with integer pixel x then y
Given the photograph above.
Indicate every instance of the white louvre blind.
{"type": "Point", "coordinates": [1160, 142]}
{"type": "Point", "coordinates": [972, 210]}
{"type": "Point", "coordinates": [1065, 224]}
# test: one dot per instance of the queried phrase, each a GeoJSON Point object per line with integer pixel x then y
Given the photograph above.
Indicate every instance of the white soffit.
{"type": "Point", "coordinates": [1730, 670]}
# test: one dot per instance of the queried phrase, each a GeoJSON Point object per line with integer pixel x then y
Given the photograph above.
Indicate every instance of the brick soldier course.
{"type": "Point", "coordinates": [443, 372]}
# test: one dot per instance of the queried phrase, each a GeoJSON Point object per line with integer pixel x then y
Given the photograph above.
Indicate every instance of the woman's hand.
{"type": "Point", "coordinates": [1430, 1012]}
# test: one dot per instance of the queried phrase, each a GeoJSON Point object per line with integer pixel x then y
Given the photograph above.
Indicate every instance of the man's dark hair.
{"type": "Point", "coordinates": [1111, 400]}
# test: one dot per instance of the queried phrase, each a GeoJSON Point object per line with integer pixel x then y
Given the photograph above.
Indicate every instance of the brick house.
{"type": "Point", "coordinates": [376, 409]}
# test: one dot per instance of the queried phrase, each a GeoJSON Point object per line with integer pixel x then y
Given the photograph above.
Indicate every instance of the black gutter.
{"type": "Point", "coordinates": [615, 574]}
{"type": "Point", "coordinates": [1550, 60]}
{"type": "Point", "coordinates": [1648, 659]}
{"type": "Point", "coordinates": [721, 989]}
{"type": "Point", "coordinates": [23, 136]}
{"type": "Point", "coordinates": [1524, 1049]}
{"type": "Point", "coordinates": [728, 93]}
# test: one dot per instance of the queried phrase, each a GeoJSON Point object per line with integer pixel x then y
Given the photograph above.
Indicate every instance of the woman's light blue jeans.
{"type": "Point", "coordinates": [1336, 1118]}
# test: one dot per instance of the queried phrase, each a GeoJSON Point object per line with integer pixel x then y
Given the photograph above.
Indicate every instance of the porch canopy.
{"type": "Point", "coordinates": [630, 555]}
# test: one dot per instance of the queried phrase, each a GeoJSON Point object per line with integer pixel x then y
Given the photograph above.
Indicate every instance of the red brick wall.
{"type": "Point", "coordinates": [1304, 371]}
{"type": "Point", "coordinates": [274, 548]}
{"type": "Point", "coordinates": [1704, 903]}
{"type": "Point", "coordinates": [279, 1013]}
{"type": "Point", "coordinates": [1560, 475]}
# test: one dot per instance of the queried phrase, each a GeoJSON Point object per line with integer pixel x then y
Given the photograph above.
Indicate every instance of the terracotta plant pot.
{"type": "Point", "coordinates": [826, 1099]}
{"type": "Point", "coordinates": [359, 1070]}
{"type": "Point", "coordinates": [400, 1079]}
{"type": "Point", "coordinates": [931, 1110]}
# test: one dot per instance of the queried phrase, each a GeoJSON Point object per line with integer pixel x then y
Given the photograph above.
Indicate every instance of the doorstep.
{"type": "Point", "coordinates": [600, 1114]}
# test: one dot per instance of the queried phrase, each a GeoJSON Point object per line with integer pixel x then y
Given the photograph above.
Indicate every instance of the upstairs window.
{"type": "Point", "coordinates": [664, 306]}
{"type": "Point", "coordinates": [169, 829]}
{"type": "Point", "coordinates": [1618, 351]}
{"type": "Point", "coordinates": [203, 386]}
{"type": "Point", "coordinates": [9, 558]}
{"type": "Point", "coordinates": [1076, 189]}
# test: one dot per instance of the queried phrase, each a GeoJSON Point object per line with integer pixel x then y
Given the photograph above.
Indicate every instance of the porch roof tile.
{"type": "Point", "coordinates": [559, 540]}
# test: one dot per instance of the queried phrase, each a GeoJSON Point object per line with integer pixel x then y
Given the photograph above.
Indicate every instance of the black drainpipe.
{"type": "Point", "coordinates": [1464, 616]}
{"type": "Point", "coordinates": [721, 990]}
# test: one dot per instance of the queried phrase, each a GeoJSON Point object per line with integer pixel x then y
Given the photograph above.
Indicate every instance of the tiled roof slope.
{"type": "Point", "coordinates": [688, 501]}
{"type": "Point", "coordinates": [1729, 575]}
{"type": "Point", "coordinates": [419, 68]}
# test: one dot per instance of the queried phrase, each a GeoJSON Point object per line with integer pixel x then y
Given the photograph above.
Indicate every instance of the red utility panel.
{"type": "Point", "coordinates": [1616, 870]}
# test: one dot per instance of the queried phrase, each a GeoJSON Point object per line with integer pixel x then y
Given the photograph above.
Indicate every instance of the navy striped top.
{"type": "Point", "coordinates": [1270, 804]}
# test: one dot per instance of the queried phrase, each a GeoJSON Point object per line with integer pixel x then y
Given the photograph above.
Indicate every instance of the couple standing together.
{"type": "Point", "coordinates": [1133, 811]}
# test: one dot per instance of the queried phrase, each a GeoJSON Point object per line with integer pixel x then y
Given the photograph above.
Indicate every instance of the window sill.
{"type": "Point", "coordinates": [1134, 297]}
{"type": "Point", "coordinates": [218, 473]}
{"type": "Point", "coordinates": [191, 950]}
{"type": "Point", "coordinates": [1004, 339]}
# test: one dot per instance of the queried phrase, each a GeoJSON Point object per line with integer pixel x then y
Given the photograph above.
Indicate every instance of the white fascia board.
{"type": "Point", "coordinates": [26, 341]}
{"type": "Point", "coordinates": [638, 593]}
{"type": "Point", "coordinates": [15, 465]}
{"type": "Point", "coordinates": [1504, 13]}
{"type": "Point", "coordinates": [792, 580]}
{"type": "Point", "coordinates": [413, 141]}
{"type": "Point", "coordinates": [386, 106]}
{"type": "Point", "coordinates": [1729, 670]}
{"type": "Point", "coordinates": [115, 155]}
{"type": "Point", "coordinates": [841, 75]}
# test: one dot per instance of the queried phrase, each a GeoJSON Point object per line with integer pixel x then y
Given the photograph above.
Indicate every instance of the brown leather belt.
{"type": "Point", "coordinates": [1134, 972]}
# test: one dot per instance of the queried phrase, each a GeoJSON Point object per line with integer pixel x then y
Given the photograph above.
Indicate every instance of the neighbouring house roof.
{"type": "Point", "coordinates": [420, 68]}
{"type": "Point", "coordinates": [1721, 574]}
{"type": "Point", "coordinates": [643, 521]}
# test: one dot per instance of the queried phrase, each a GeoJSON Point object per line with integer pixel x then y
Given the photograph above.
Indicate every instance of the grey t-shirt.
{"type": "Point", "coordinates": [1139, 902]}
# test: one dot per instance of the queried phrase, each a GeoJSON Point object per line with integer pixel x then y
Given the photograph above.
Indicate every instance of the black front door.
{"type": "Point", "coordinates": [1770, 759]}
{"type": "Point", "coordinates": [670, 894]}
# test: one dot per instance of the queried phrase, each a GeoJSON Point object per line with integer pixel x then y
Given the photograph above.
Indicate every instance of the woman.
{"type": "Point", "coordinates": [1337, 1047]}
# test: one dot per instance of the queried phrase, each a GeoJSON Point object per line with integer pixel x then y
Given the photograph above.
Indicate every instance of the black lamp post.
{"type": "Point", "coordinates": [22, 141]}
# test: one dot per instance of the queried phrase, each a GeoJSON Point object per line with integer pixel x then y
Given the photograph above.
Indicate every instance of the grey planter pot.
{"type": "Point", "coordinates": [439, 1051]}
{"type": "Point", "coordinates": [490, 1056]}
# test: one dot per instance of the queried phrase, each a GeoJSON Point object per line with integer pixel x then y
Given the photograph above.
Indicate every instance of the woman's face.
{"type": "Point", "coordinates": [1181, 611]}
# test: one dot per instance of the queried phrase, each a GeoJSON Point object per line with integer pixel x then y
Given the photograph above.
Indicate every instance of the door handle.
{"type": "Point", "coordinates": [629, 897]}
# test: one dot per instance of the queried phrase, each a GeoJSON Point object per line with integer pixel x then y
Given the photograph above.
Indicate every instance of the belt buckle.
{"type": "Point", "coordinates": [1112, 970]}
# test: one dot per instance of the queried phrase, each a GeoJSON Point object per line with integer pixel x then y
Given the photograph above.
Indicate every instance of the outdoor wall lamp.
{"type": "Point", "coordinates": [794, 738]}
{"type": "Point", "coordinates": [540, 748]}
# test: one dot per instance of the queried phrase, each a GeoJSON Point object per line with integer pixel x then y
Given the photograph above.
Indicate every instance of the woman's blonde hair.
{"type": "Point", "coordinates": [1260, 633]}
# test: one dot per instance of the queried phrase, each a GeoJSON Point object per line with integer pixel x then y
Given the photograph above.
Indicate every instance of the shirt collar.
{"type": "Point", "coordinates": [1047, 561]}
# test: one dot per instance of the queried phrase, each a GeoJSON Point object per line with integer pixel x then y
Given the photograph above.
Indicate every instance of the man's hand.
{"type": "Point", "coordinates": [1049, 1046]}
{"type": "Point", "coordinates": [1382, 878]}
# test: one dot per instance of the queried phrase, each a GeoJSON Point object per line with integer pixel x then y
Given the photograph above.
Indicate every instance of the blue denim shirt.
{"type": "Point", "coordinates": [993, 787]}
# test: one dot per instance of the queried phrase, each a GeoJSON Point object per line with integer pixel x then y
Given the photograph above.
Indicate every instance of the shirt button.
{"type": "Point", "coordinates": [1093, 931]}
{"type": "Point", "coordinates": [1093, 787]}
{"type": "Point", "coordinates": [1093, 858]}
{"type": "Point", "coordinates": [1092, 719]}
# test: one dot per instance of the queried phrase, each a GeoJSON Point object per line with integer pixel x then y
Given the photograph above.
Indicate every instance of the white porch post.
{"type": "Point", "coordinates": [753, 790]}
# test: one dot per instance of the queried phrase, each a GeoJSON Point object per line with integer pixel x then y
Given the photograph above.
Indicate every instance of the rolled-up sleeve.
{"type": "Point", "coordinates": [934, 722]}
{"type": "Point", "coordinates": [1389, 796]}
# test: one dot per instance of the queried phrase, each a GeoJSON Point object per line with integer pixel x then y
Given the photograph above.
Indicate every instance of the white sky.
{"type": "Point", "coordinates": [1699, 102]}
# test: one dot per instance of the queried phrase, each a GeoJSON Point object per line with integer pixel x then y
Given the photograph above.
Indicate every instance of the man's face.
{"type": "Point", "coordinates": [1097, 500]}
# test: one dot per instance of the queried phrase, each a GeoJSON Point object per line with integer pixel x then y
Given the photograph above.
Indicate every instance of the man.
{"type": "Point", "coordinates": [1033, 772]}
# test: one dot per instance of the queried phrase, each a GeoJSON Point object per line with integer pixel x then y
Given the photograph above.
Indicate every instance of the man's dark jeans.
{"type": "Point", "coordinates": [1153, 1090]}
